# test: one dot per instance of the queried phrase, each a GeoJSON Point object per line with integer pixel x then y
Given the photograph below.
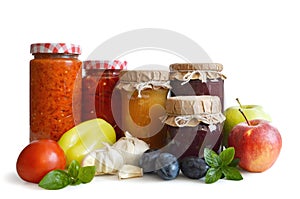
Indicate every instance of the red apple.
{"type": "Point", "coordinates": [256, 144]}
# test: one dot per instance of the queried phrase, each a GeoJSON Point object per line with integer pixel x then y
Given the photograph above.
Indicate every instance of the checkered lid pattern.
{"type": "Point", "coordinates": [55, 48]}
{"type": "Point", "coordinates": [104, 64]}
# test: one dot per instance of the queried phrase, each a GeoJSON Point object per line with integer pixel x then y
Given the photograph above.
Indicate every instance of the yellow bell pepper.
{"type": "Point", "coordinates": [86, 137]}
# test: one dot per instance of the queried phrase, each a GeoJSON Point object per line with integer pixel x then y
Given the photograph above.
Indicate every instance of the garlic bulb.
{"type": "Point", "coordinates": [107, 160]}
{"type": "Point", "coordinates": [130, 171]}
{"type": "Point", "coordinates": [131, 148]}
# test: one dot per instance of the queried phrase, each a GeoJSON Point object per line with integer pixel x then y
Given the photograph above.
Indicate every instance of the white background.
{"type": "Point", "coordinates": [256, 41]}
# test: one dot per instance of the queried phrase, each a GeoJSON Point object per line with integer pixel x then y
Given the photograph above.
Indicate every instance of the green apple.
{"type": "Point", "coordinates": [234, 117]}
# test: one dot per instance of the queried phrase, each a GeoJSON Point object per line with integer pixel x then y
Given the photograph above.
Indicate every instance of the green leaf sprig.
{"type": "Point", "coordinates": [222, 164]}
{"type": "Point", "coordinates": [75, 175]}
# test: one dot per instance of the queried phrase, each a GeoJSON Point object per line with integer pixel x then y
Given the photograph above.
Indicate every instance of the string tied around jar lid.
{"type": "Point", "coordinates": [139, 80]}
{"type": "Point", "coordinates": [188, 76]}
{"type": "Point", "coordinates": [192, 71]}
{"type": "Point", "coordinates": [144, 85]}
{"type": "Point", "coordinates": [183, 120]}
{"type": "Point", "coordinates": [190, 111]}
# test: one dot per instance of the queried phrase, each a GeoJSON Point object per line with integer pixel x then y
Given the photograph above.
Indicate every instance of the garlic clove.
{"type": "Point", "coordinates": [107, 160]}
{"type": "Point", "coordinates": [128, 135]}
{"type": "Point", "coordinates": [89, 159]}
{"type": "Point", "coordinates": [130, 171]}
{"type": "Point", "coordinates": [110, 162]}
{"type": "Point", "coordinates": [125, 144]}
{"type": "Point", "coordinates": [131, 148]}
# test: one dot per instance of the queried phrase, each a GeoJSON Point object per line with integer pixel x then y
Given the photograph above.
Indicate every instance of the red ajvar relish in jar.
{"type": "Point", "coordinates": [98, 83]}
{"type": "Point", "coordinates": [55, 89]}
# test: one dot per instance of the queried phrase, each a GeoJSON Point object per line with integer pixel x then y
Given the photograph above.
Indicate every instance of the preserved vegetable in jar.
{"type": "Point", "coordinates": [98, 96]}
{"type": "Point", "coordinates": [193, 123]}
{"type": "Point", "coordinates": [55, 89]}
{"type": "Point", "coordinates": [144, 94]}
{"type": "Point", "coordinates": [189, 79]}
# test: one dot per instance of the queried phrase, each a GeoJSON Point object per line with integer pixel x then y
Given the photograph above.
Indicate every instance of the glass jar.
{"type": "Point", "coordinates": [144, 94]}
{"type": "Point", "coordinates": [98, 82]}
{"type": "Point", "coordinates": [55, 89]}
{"type": "Point", "coordinates": [193, 123]}
{"type": "Point", "coordinates": [188, 79]}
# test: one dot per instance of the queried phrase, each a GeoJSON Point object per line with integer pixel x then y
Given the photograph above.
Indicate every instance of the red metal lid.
{"type": "Point", "coordinates": [55, 48]}
{"type": "Point", "coordinates": [104, 64]}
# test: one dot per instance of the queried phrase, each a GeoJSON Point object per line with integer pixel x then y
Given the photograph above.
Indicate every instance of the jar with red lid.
{"type": "Point", "coordinates": [189, 79]}
{"type": "Point", "coordinates": [55, 89]}
{"type": "Point", "coordinates": [192, 124]}
{"type": "Point", "coordinates": [98, 95]}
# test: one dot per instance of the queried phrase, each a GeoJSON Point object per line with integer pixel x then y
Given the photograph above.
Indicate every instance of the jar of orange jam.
{"type": "Point", "coordinates": [55, 89]}
{"type": "Point", "coordinates": [144, 94]}
{"type": "Point", "coordinates": [98, 99]}
{"type": "Point", "coordinates": [192, 124]}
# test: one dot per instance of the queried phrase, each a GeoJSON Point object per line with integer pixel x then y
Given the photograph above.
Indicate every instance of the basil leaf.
{"type": "Point", "coordinates": [213, 175]}
{"type": "Point", "coordinates": [73, 169]}
{"type": "Point", "coordinates": [56, 179]}
{"type": "Point", "coordinates": [86, 174]}
{"type": "Point", "coordinates": [232, 173]}
{"type": "Point", "coordinates": [227, 156]}
{"type": "Point", "coordinates": [234, 162]}
{"type": "Point", "coordinates": [75, 182]}
{"type": "Point", "coordinates": [211, 158]}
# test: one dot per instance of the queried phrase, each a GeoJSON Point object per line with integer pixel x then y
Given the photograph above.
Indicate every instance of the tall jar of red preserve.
{"type": "Point", "coordinates": [189, 79]}
{"type": "Point", "coordinates": [98, 95]}
{"type": "Point", "coordinates": [55, 89]}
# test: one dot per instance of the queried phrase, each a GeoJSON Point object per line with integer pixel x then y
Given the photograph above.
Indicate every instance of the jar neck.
{"type": "Point", "coordinates": [54, 55]}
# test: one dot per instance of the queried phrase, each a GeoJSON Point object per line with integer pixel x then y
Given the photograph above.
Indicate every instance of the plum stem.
{"type": "Point", "coordinates": [238, 101]}
{"type": "Point", "coordinates": [245, 117]}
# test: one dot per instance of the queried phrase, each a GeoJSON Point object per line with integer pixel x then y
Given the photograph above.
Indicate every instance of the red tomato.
{"type": "Point", "coordinates": [38, 158]}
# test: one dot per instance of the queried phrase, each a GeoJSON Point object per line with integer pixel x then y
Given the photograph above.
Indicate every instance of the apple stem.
{"type": "Point", "coordinates": [237, 99]}
{"type": "Point", "coordinates": [245, 117]}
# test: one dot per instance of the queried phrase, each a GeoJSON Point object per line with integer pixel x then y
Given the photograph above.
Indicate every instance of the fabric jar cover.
{"type": "Point", "coordinates": [190, 71]}
{"type": "Point", "coordinates": [104, 64]}
{"type": "Point", "coordinates": [55, 48]}
{"type": "Point", "coordinates": [131, 80]}
{"type": "Point", "coordinates": [191, 110]}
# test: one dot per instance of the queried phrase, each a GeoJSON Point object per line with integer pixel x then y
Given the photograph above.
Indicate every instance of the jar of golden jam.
{"type": "Point", "coordinates": [98, 83]}
{"type": "Point", "coordinates": [193, 123]}
{"type": "Point", "coordinates": [55, 89]}
{"type": "Point", "coordinates": [188, 79]}
{"type": "Point", "coordinates": [144, 94]}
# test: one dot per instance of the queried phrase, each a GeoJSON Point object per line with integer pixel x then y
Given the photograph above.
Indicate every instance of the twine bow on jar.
{"type": "Point", "coordinates": [139, 80]}
{"type": "Point", "coordinates": [150, 84]}
{"type": "Point", "coordinates": [141, 86]}
{"type": "Point", "coordinates": [192, 71]}
{"type": "Point", "coordinates": [190, 75]}
{"type": "Point", "coordinates": [183, 120]}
